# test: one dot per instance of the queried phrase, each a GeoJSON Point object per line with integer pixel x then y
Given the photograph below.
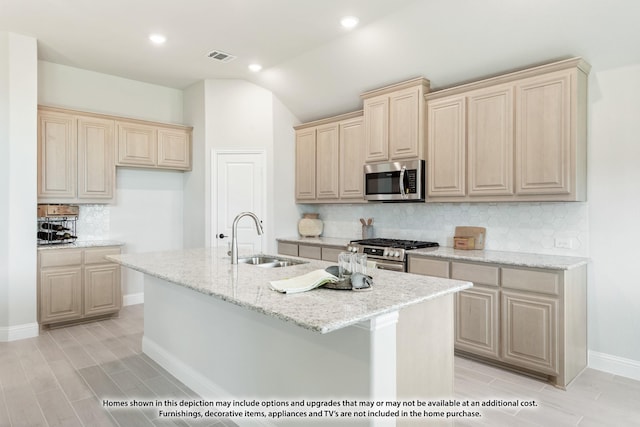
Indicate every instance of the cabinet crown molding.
{"type": "Point", "coordinates": [576, 62]}
{"type": "Point", "coordinates": [333, 119]}
{"type": "Point", "coordinates": [54, 109]}
{"type": "Point", "coordinates": [418, 81]}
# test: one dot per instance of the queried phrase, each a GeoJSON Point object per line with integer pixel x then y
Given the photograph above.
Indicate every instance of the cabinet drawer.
{"type": "Point", "coordinates": [96, 255]}
{"type": "Point", "coordinates": [61, 257]}
{"type": "Point", "coordinates": [480, 274]}
{"type": "Point", "coordinates": [429, 267]}
{"type": "Point", "coordinates": [331, 254]}
{"type": "Point", "coordinates": [313, 252]}
{"type": "Point", "coordinates": [546, 282]}
{"type": "Point", "coordinates": [287, 249]}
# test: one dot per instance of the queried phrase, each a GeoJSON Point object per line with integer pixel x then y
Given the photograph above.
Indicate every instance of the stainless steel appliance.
{"type": "Point", "coordinates": [389, 254]}
{"type": "Point", "coordinates": [401, 181]}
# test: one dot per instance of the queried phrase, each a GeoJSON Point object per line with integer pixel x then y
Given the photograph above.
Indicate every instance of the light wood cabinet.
{"type": "Point", "coordinates": [96, 171]}
{"type": "Point", "coordinates": [529, 328]}
{"type": "Point", "coordinates": [327, 161]}
{"type": "Point", "coordinates": [319, 251]}
{"type": "Point", "coordinates": [151, 145]}
{"type": "Point", "coordinates": [330, 160]}
{"type": "Point", "coordinates": [550, 134]}
{"type": "Point", "coordinates": [515, 137]}
{"type": "Point", "coordinates": [490, 141]}
{"type": "Point", "coordinates": [394, 121]}
{"type": "Point", "coordinates": [477, 321]}
{"type": "Point", "coordinates": [75, 157]}
{"type": "Point", "coordinates": [446, 160]}
{"type": "Point", "coordinates": [77, 284]}
{"type": "Point", "coordinates": [306, 164]}
{"type": "Point", "coordinates": [351, 159]}
{"type": "Point", "coordinates": [137, 144]}
{"type": "Point", "coordinates": [531, 319]}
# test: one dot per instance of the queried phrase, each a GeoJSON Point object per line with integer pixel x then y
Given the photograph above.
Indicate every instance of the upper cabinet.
{"type": "Point", "coordinates": [517, 137]}
{"type": "Point", "coordinates": [152, 145]}
{"type": "Point", "coordinates": [75, 157]}
{"type": "Point", "coordinates": [330, 160]}
{"type": "Point", "coordinates": [394, 121]}
{"type": "Point", "coordinates": [78, 153]}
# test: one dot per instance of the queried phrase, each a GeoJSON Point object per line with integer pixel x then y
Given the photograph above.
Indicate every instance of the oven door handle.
{"type": "Point", "coordinates": [391, 266]}
{"type": "Point", "coordinates": [402, 191]}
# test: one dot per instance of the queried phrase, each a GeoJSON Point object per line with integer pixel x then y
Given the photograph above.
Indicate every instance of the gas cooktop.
{"type": "Point", "coordinates": [395, 243]}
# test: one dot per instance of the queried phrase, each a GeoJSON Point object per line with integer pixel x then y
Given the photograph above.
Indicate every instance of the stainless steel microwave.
{"type": "Point", "coordinates": [401, 181]}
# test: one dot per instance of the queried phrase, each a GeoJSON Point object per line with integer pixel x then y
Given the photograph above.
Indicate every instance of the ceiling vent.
{"type": "Point", "coordinates": [221, 56]}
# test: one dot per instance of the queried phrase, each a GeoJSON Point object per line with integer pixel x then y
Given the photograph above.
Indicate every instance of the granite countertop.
{"type": "Point", "coordinates": [209, 271]}
{"type": "Point", "coordinates": [82, 244]}
{"type": "Point", "coordinates": [519, 259]}
{"type": "Point", "coordinates": [337, 242]}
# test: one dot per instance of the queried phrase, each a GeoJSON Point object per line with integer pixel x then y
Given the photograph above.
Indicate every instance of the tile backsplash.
{"type": "Point", "coordinates": [93, 222]}
{"type": "Point", "coordinates": [516, 227]}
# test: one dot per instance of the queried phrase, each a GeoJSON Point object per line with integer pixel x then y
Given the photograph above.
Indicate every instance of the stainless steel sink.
{"type": "Point", "coordinates": [269, 261]}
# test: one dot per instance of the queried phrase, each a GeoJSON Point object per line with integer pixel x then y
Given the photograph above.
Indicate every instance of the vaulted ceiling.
{"type": "Point", "coordinates": [315, 67]}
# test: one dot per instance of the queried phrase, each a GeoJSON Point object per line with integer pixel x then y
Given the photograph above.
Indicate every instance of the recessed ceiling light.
{"type": "Point", "coordinates": [157, 38]}
{"type": "Point", "coordinates": [349, 21]}
{"type": "Point", "coordinates": [255, 67]}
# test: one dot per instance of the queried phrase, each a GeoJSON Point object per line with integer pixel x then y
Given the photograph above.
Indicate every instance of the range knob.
{"type": "Point", "coordinates": [386, 252]}
{"type": "Point", "coordinates": [396, 254]}
{"type": "Point", "coordinates": [352, 249]}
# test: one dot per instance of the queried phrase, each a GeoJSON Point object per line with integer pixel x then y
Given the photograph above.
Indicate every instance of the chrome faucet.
{"type": "Point", "coordinates": [234, 233]}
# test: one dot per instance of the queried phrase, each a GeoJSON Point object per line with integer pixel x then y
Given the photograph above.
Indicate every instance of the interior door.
{"type": "Point", "coordinates": [238, 186]}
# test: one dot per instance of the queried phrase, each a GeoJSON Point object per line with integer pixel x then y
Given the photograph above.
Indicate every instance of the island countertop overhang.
{"type": "Point", "coordinates": [210, 272]}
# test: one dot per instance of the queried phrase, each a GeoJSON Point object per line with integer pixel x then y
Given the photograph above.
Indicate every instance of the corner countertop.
{"type": "Point", "coordinates": [79, 244]}
{"type": "Point", "coordinates": [209, 271]}
{"type": "Point", "coordinates": [518, 259]}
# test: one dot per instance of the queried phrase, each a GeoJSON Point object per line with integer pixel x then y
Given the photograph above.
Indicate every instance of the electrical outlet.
{"type": "Point", "coordinates": [564, 243]}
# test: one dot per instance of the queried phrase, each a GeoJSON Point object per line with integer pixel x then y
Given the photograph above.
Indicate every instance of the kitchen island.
{"type": "Point", "coordinates": [221, 330]}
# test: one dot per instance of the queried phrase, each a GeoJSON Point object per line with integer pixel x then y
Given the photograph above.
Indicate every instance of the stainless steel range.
{"type": "Point", "coordinates": [389, 254]}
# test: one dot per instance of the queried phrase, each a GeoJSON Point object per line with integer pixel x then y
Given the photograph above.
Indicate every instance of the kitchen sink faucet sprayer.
{"type": "Point", "coordinates": [234, 233]}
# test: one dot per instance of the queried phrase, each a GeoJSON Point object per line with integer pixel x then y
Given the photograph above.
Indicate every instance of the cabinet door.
{"type": "Point", "coordinates": [544, 148]}
{"type": "Point", "coordinates": [376, 128]}
{"type": "Point", "coordinates": [352, 159]}
{"type": "Point", "coordinates": [57, 151]}
{"type": "Point", "coordinates": [60, 294]}
{"type": "Point", "coordinates": [477, 327]}
{"type": "Point", "coordinates": [529, 331]}
{"type": "Point", "coordinates": [404, 124]}
{"type": "Point", "coordinates": [428, 267]}
{"type": "Point", "coordinates": [490, 141]}
{"type": "Point", "coordinates": [306, 164]}
{"type": "Point", "coordinates": [327, 163]}
{"type": "Point", "coordinates": [102, 293]}
{"type": "Point", "coordinates": [446, 147]}
{"type": "Point", "coordinates": [174, 149]}
{"type": "Point", "coordinates": [137, 144]}
{"type": "Point", "coordinates": [96, 165]}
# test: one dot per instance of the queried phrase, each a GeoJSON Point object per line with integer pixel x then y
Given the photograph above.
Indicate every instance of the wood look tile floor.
{"type": "Point", "coordinates": [61, 377]}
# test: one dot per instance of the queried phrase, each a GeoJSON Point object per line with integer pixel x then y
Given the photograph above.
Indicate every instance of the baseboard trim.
{"type": "Point", "coordinates": [20, 332]}
{"type": "Point", "coordinates": [195, 381]}
{"type": "Point", "coordinates": [133, 299]}
{"type": "Point", "coordinates": [615, 365]}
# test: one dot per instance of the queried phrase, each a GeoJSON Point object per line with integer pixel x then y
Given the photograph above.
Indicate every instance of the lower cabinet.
{"type": "Point", "coordinates": [525, 318]}
{"type": "Point", "coordinates": [325, 253]}
{"type": "Point", "coordinates": [77, 284]}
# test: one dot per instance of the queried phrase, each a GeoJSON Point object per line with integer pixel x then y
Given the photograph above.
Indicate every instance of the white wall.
{"type": "Point", "coordinates": [195, 202]}
{"type": "Point", "coordinates": [148, 212]}
{"type": "Point", "coordinates": [18, 151]}
{"type": "Point", "coordinates": [614, 175]}
{"type": "Point", "coordinates": [240, 115]}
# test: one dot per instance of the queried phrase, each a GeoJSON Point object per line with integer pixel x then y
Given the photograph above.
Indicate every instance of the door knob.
{"type": "Point", "coordinates": [221, 236]}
